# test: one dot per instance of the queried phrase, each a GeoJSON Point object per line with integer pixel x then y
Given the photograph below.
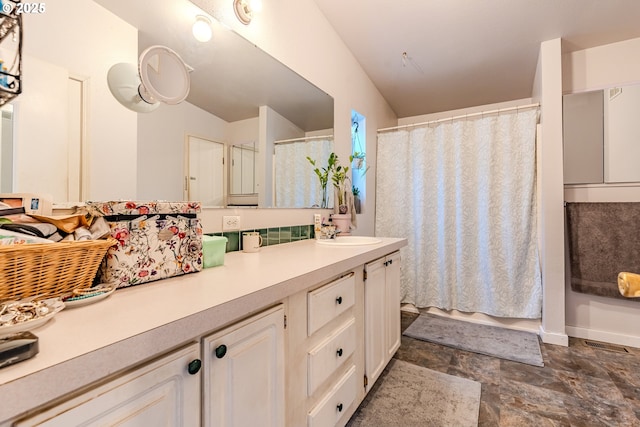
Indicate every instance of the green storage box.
{"type": "Point", "coordinates": [213, 249]}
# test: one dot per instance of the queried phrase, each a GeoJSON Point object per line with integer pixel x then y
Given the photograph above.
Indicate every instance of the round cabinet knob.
{"type": "Point", "coordinates": [339, 407]}
{"type": "Point", "coordinates": [194, 366]}
{"type": "Point", "coordinates": [339, 300]}
{"type": "Point", "coordinates": [339, 352]}
{"type": "Point", "coordinates": [221, 350]}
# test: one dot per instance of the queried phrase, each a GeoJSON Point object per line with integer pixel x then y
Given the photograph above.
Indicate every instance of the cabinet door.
{"type": "Point", "coordinates": [374, 320]}
{"type": "Point", "coordinates": [382, 314]}
{"type": "Point", "coordinates": [392, 284]}
{"type": "Point", "coordinates": [582, 134]}
{"type": "Point", "coordinates": [160, 393]}
{"type": "Point", "coordinates": [244, 373]}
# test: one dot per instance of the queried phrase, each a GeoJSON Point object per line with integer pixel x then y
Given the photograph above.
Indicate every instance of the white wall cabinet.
{"type": "Point", "coordinates": [382, 314]}
{"type": "Point", "coordinates": [244, 373]}
{"type": "Point", "coordinates": [600, 134]}
{"type": "Point", "coordinates": [160, 393]}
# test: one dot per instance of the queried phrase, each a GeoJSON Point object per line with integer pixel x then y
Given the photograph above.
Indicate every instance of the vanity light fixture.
{"type": "Point", "coordinates": [202, 29]}
{"type": "Point", "coordinates": [245, 9]}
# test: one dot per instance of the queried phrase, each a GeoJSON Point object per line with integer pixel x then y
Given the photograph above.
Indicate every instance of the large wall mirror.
{"type": "Point", "coordinates": [601, 134]}
{"type": "Point", "coordinates": [74, 141]}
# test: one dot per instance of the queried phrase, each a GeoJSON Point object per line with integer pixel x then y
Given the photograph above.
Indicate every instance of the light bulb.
{"type": "Point", "coordinates": [255, 5]}
{"type": "Point", "coordinates": [202, 29]}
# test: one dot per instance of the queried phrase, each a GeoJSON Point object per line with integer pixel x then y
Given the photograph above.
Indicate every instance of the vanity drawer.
{"type": "Point", "coordinates": [331, 408]}
{"type": "Point", "coordinates": [329, 301]}
{"type": "Point", "coordinates": [327, 356]}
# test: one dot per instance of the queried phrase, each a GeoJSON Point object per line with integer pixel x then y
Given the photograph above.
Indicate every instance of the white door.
{"type": "Point", "coordinates": [248, 169]}
{"type": "Point", "coordinates": [205, 175]}
{"type": "Point", "coordinates": [244, 373]}
{"type": "Point", "coordinates": [162, 393]}
{"type": "Point", "coordinates": [236, 169]}
{"type": "Point", "coordinates": [77, 181]}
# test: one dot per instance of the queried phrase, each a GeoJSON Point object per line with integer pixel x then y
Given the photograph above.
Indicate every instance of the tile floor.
{"type": "Point", "coordinates": [578, 386]}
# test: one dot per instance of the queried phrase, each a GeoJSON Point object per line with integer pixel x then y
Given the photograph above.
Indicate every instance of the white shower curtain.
{"type": "Point", "coordinates": [296, 185]}
{"type": "Point", "coordinates": [463, 194]}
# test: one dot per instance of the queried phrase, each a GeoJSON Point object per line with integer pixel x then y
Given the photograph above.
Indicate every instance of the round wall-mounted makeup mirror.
{"type": "Point", "coordinates": [161, 76]}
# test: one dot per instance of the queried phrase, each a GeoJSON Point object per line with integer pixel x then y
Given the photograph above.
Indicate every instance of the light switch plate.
{"type": "Point", "coordinates": [230, 223]}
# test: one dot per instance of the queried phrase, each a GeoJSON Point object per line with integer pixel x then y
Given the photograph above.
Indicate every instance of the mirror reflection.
{"type": "Point", "coordinates": [295, 182]}
{"type": "Point", "coordinates": [205, 181]}
{"type": "Point", "coordinates": [242, 185]}
{"type": "Point", "coordinates": [89, 147]}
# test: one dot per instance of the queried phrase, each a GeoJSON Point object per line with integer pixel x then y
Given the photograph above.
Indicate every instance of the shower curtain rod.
{"type": "Point", "coordinates": [463, 116]}
{"type": "Point", "coordinates": [302, 139]}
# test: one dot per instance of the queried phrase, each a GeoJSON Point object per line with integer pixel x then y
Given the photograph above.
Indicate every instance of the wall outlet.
{"type": "Point", "coordinates": [230, 223]}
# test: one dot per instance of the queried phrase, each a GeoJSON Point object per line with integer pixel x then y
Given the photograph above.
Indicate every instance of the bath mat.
{"type": "Point", "coordinates": [410, 395]}
{"type": "Point", "coordinates": [518, 346]}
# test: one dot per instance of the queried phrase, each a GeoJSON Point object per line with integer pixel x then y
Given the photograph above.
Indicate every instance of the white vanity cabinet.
{"type": "Point", "coordinates": [382, 314]}
{"type": "Point", "coordinates": [244, 373]}
{"type": "Point", "coordinates": [289, 347]}
{"type": "Point", "coordinates": [165, 392]}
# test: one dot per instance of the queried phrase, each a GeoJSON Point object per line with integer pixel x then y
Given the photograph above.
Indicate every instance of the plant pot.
{"type": "Point", "coordinates": [356, 203]}
{"type": "Point", "coordinates": [342, 223]}
{"type": "Point", "coordinates": [358, 162]}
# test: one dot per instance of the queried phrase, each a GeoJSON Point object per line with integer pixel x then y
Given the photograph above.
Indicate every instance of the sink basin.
{"type": "Point", "coordinates": [350, 241]}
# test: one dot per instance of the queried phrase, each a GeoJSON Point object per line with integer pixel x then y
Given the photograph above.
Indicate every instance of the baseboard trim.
{"type": "Point", "coordinates": [603, 336]}
{"type": "Point", "coordinates": [554, 338]}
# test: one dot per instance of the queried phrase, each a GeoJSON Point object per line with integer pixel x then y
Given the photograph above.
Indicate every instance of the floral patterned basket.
{"type": "Point", "coordinates": [155, 240]}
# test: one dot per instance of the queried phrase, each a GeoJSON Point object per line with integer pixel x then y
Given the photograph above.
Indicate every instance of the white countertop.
{"type": "Point", "coordinates": [84, 344]}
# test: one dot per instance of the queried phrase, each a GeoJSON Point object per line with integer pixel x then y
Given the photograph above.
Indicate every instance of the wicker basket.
{"type": "Point", "coordinates": [49, 269]}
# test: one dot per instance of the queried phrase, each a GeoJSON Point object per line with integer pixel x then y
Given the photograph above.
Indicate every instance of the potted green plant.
{"type": "Point", "coordinates": [339, 179]}
{"type": "Point", "coordinates": [357, 160]}
{"type": "Point", "coordinates": [356, 199]}
{"type": "Point", "coordinates": [323, 175]}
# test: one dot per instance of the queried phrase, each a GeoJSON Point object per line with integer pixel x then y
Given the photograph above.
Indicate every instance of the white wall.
{"type": "Point", "coordinates": [590, 316]}
{"type": "Point", "coordinates": [461, 112]}
{"type": "Point", "coordinates": [40, 159]}
{"type": "Point", "coordinates": [547, 90]}
{"type": "Point", "coordinates": [161, 144]}
{"type": "Point", "coordinates": [52, 38]}
{"type": "Point", "coordinates": [601, 67]}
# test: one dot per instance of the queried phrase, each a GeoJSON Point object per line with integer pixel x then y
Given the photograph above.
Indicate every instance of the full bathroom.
{"type": "Point", "coordinates": [271, 89]}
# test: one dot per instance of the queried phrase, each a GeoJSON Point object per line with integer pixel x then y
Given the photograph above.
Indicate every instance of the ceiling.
{"type": "Point", "coordinates": [463, 53]}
